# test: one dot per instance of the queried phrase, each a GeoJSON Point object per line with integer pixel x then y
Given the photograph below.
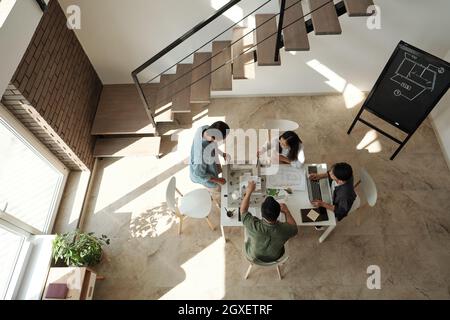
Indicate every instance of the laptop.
{"type": "Point", "coordinates": [317, 190]}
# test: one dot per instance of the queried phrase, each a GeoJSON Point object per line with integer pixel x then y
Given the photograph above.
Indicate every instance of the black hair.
{"type": "Point", "coordinates": [219, 127]}
{"type": "Point", "coordinates": [343, 171]}
{"type": "Point", "coordinates": [270, 209]}
{"type": "Point", "coordinates": [294, 143]}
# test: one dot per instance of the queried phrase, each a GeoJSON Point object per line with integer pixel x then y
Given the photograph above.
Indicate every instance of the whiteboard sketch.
{"type": "Point", "coordinates": [414, 78]}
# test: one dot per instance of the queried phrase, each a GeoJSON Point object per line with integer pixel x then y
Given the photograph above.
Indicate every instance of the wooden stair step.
{"type": "Point", "coordinates": [181, 101]}
{"type": "Point", "coordinates": [325, 20]}
{"type": "Point", "coordinates": [160, 114]}
{"type": "Point", "coordinates": [127, 147]}
{"type": "Point", "coordinates": [201, 89]}
{"type": "Point", "coordinates": [295, 36]}
{"type": "Point", "coordinates": [266, 49]}
{"type": "Point", "coordinates": [358, 8]}
{"type": "Point", "coordinates": [164, 99]}
{"type": "Point", "coordinates": [244, 63]}
{"type": "Point", "coordinates": [121, 111]}
{"type": "Point", "coordinates": [222, 78]}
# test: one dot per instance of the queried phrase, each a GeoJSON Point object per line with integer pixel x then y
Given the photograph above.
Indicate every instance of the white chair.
{"type": "Point", "coordinates": [259, 263]}
{"type": "Point", "coordinates": [369, 191]}
{"type": "Point", "coordinates": [278, 263]}
{"type": "Point", "coordinates": [282, 125]}
{"type": "Point", "coordinates": [196, 204]}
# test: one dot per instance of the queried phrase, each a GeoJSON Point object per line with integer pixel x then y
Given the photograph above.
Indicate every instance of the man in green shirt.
{"type": "Point", "coordinates": [266, 237]}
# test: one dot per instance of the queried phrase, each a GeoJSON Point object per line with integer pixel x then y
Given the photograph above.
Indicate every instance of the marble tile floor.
{"type": "Point", "coordinates": [407, 234]}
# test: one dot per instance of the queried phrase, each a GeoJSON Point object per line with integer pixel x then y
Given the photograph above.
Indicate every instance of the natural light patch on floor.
{"type": "Point", "coordinates": [205, 275]}
{"type": "Point", "coordinates": [132, 191]}
{"type": "Point", "coordinates": [370, 142]}
{"type": "Point", "coordinates": [352, 95]}
{"type": "Point", "coordinates": [153, 223]}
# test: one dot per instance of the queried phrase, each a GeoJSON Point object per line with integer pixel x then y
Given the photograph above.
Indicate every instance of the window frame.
{"type": "Point", "coordinates": [16, 226]}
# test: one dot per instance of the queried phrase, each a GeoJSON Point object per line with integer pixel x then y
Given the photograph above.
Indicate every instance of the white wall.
{"type": "Point", "coordinates": [15, 35]}
{"type": "Point", "coordinates": [118, 37]}
{"type": "Point", "coordinates": [440, 118]}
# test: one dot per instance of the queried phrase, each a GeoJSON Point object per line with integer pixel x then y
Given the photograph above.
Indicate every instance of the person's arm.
{"type": "Point", "coordinates": [318, 176]}
{"type": "Point", "coordinates": [246, 201]}
{"type": "Point", "coordinates": [284, 159]}
{"type": "Point", "coordinates": [200, 171]}
{"type": "Point", "coordinates": [220, 181]}
{"type": "Point", "coordinates": [264, 148]}
{"type": "Point", "coordinates": [225, 155]}
{"type": "Point", "coordinates": [320, 203]}
{"type": "Point", "coordinates": [342, 208]}
{"type": "Point", "coordinates": [289, 218]}
{"type": "Point", "coordinates": [301, 156]}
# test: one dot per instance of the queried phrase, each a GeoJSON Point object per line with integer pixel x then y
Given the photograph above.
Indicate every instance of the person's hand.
{"type": "Point", "coordinates": [220, 181]}
{"type": "Point", "coordinates": [317, 203]}
{"type": "Point", "coordinates": [226, 156]}
{"type": "Point", "coordinates": [314, 176]}
{"type": "Point", "coordinates": [284, 208]}
{"type": "Point", "coordinates": [251, 186]}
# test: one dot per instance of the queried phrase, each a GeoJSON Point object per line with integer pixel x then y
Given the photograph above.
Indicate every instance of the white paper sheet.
{"type": "Point", "coordinates": [288, 177]}
{"type": "Point", "coordinates": [313, 215]}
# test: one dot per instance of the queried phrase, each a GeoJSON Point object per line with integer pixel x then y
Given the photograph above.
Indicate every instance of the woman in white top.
{"type": "Point", "coordinates": [290, 149]}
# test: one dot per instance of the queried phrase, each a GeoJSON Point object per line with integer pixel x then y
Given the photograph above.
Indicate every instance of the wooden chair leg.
{"type": "Point", "coordinates": [279, 272]}
{"type": "Point", "coordinates": [248, 272]}
{"type": "Point", "coordinates": [210, 224]}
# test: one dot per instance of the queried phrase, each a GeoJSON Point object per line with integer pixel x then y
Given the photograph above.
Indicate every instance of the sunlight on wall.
{"type": "Point", "coordinates": [235, 14]}
{"type": "Point", "coordinates": [205, 275]}
{"type": "Point", "coordinates": [370, 142]}
{"type": "Point", "coordinates": [352, 95]}
{"type": "Point", "coordinates": [251, 22]}
{"type": "Point", "coordinates": [334, 80]}
{"type": "Point", "coordinates": [5, 8]}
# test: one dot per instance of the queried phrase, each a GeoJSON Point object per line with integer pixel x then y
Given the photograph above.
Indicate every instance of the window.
{"type": "Point", "coordinates": [5, 8]}
{"type": "Point", "coordinates": [10, 247]}
{"type": "Point", "coordinates": [31, 185]}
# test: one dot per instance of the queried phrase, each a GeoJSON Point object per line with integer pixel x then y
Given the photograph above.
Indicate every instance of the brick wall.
{"type": "Point", "coordinates": [55, 87]}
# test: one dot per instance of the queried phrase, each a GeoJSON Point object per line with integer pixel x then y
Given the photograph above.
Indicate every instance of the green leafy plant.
{"type": "Point", "coordinates": [79, 249]}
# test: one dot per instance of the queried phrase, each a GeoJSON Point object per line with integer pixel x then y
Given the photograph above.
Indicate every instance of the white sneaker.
{"type": "Point", "coordinates": [320, 228]}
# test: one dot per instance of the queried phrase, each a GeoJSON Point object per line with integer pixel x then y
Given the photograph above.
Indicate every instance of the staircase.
{"type": "Point", "coordinates": [130, 116]}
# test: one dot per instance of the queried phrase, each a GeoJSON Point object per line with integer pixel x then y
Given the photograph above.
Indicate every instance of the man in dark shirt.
{"type": "Point", "coordinates": [266, 237]}
{"type": "Point", "coordinates": [341, 179]}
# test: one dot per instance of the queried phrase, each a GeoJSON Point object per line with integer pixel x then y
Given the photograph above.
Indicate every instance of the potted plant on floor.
{"type": "Point", "coordinates": [78, 249]}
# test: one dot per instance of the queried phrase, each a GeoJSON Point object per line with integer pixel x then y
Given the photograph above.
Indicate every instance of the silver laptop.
{"type": "Point", "coordinates": [317, 190]}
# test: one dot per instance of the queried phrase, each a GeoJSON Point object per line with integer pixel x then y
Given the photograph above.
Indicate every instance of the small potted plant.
{"type": "Point", "coordinates": [78, 249]}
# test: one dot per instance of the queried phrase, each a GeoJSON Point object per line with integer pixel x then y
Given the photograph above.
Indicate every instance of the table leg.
{"type": "Point", "coordinates": [326, 233]}
{"type": "Point", "coordinates": [223, 233]}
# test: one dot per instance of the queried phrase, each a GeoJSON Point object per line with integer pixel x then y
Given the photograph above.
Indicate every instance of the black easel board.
{"type": "Point", "coordinates": [411, 84]}
{"type": "Point", "coordinates": [409, 87]}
